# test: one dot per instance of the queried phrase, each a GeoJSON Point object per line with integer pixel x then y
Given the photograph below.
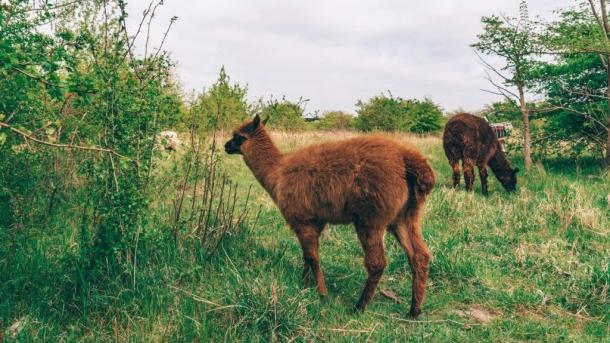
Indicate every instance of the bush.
{"type": "Point", "coordinates": [96, 113]}
{"type": "Point", "coordinates": [335, 120]}
{"type": "Point", "coordinates": [222, 107]}
{"type": "Point", "coordinates": [389, 113]}
{"type": "Point", "coordinates": [284, 114]}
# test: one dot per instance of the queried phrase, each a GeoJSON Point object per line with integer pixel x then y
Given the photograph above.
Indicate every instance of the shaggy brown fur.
{"type": "Point", "coordinates": [373, 182]}
{"type": "Point", "coordinates": [470, 139]}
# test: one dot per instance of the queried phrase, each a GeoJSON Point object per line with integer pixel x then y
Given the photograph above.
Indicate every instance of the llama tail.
{"type": "Point", "coordinates": [420, 176]}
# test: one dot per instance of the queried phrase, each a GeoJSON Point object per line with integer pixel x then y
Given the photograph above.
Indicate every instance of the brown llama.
{"type": "Point", "coordinates": [373, 182]}
{"type": "Point", "coordinates": [470, 138]}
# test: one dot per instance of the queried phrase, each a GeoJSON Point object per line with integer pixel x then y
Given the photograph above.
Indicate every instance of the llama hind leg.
{"type": "Point", "coordinates": [408, 233]}
{"type": "Point", "coordinates": [483, 177]}
{"type": "Point", "coordinates": [468, 167]}
{"type": "Point", "coordinates": [306, 274]}
{"type": "Point", "coordinates": [421, 267]}
{"type": "Point", "coordinates": [309, 239]}
{"type": "Point", "coordinates": [455, 167]}
{"type": "Point", "coordinates": [374, 261]}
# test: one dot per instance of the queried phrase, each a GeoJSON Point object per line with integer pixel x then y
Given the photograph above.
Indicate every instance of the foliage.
{"type": "Point", "coordinates": [335, 120]}
{"type": "Point", "coordinates": [503, 111]}
{"type": "Point", "coordinates": [389, 113]}
{"type": "Point", "coordinates": [284, 114]}
{"type": "Point", "coordinates": [576, 31]}
{"type": "Point", "coordinates": [79, 87]}
{"type": "Point", "coordinates": [222, 107]}
{"type": "Point", "coordinates": [424, 116]}
{"type": "Point", "coordinates": [575, 87]}
{"type": "Point", "coordinates": [575, 84]}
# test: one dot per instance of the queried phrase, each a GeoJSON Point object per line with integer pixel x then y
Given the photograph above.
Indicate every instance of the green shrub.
{"type": "Point", "coordinates": [284, 114]}
{"type": "Point", "coordinates": [223, 106]}
{"type": "Point", "coordinates": [335, 120]}
{"type": "Point", "coordinates": [389, 113]}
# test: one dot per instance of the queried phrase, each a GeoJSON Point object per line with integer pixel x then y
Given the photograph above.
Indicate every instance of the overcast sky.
{"type": "Point", "coordinates": [334, 52]}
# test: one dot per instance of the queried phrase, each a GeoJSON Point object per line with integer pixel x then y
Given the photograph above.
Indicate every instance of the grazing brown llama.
{"type": "Point", "coordinates": [470, 138]}
{"type": "Point", "coordinates": [373, 182]}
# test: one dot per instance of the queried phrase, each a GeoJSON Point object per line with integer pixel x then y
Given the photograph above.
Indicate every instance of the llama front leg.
{"type": "Point", "coordinates": [309, 239]}
{"type": "Point", "coordinates": [374, 261]}
{"type": "Point", "coordinates": [468, 167]}
{"type": "Point", "coordinates": [483, 176]}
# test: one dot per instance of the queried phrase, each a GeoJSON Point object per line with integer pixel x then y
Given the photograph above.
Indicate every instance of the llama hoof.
{"type": "Point", "coordinates": [324, 299]}
{"type": "Point", "coordinates": [415, 312]}
{"type": "Point", "coordinates": [357, 310]}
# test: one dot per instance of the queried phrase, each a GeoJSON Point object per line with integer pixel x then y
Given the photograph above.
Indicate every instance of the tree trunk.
{"type": "Point", "coordinates": [607, 159]}
{"type": "Point", "coordinates": [607, 164]}
{"type": "Point", "coordinates": [527, 140]}
{"type": "Point", "coordinates": [606, 28]}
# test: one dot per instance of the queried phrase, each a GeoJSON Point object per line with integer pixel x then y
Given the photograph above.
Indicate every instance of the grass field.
{"type": "Point", "coordinates": [529, 266]}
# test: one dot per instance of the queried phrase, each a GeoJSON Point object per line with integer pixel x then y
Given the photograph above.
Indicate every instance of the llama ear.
{"type": "Point", "coordinates": [265, 120]}
{"type": "Point", "coordinates": [256, 122]}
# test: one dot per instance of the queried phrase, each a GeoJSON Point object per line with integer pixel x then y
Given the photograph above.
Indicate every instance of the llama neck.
{"type": "Point", "coordinates": [263, 159]}
{"type": "Point", "coordinates": [499, 164]}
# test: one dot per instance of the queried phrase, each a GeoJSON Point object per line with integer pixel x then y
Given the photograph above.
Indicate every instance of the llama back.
{"type": "Point", "coordinates": [466, 130]}
{"type": "Point", "coordinates": [338, 179]}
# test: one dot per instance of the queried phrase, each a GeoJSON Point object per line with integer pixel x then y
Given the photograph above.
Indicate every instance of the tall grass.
{"type": "Point", "coordinates": [529, 266]}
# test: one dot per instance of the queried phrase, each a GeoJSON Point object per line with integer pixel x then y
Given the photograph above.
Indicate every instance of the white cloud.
{"type": "Point", "coordinates": [335, 52]}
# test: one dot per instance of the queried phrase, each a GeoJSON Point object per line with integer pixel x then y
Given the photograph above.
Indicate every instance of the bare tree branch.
{"type": "Point", "coordinates": [55, 6]}
{"type": "Point", "coordinates": [489, 66]}
{"type": "Point", "coordinates": [124, 25]}
{"type": "Point", "coordinates": [150, 18]}
{"type": "Point", "coordinates": [171, 22]}
{"type": "Point", "coordinates": [499, 87]}
{"type": "Point", "coordinates": [584, 114]}
{"type": "Point", "coordinates": [34, 77]}
{"type": "Point", "coordinates": [495, 93]}
{"type": "Point", "coordinates": [28, 138]}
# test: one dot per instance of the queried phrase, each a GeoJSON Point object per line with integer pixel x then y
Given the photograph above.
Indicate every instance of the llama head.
{"type": "Point", "coordinates": [243, 134]}
{"type": "Point", "coordinates": [509, 180]}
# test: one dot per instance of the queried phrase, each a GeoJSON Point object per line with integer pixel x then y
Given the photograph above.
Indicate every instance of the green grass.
{"type": "Point", "coordinates": [534, 263]}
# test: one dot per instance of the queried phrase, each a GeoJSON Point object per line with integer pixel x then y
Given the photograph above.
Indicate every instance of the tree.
{"type": "Point", "coordinates": [223, 106]}
{"type": "Point", "coordinates": [381, 112]}
{"type": "Point", "coordinates": [579, 82]}
{"type": "Point", "coordinates": [513, 40]}
{"type": "Point", "coordinates": [424, 116]}
{"type": "Point", "coordinates": [284, 114]}
{"type": "Point", "coordinates": [575, 89]}
{"type": "Point", "coordinates": [335, 120]}
{"type": "Point", "coordinates": [389, 113]}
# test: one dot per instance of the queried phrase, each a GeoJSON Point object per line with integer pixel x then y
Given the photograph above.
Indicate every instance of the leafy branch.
{"type": "Point", "coordinates": [28, 137]}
